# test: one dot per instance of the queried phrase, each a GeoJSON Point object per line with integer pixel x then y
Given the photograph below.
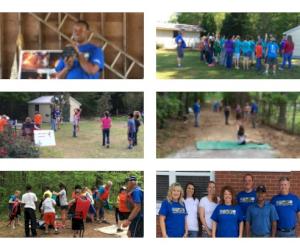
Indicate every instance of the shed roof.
{"type": "Point", "coordinates": [179, 27]}
{"type": "Point", "coordinates": [47, 100]}
{"type": "Point", "coordinates": [293, 29]}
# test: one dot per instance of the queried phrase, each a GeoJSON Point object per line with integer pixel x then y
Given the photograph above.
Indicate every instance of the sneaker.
{"type": "Point", "coordinates": [130, 147]}
{"type": "Point", "coordinates": [280, 68]}
{"type": "Point", "coordinates": [266, 72]}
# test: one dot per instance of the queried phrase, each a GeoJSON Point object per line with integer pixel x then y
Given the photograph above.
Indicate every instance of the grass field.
{"type": "Point", "coordinates": [193, 68]}
{"type": "Point", "coordinates": [88, 144]}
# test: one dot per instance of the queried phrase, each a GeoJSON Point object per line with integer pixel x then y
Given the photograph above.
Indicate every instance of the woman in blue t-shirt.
{"type": "Point", "coordinates": [172, 213]}
{"type": "Point", "coordinates": [227, 217]}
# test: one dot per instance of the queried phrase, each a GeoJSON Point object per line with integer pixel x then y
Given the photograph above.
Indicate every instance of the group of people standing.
{"type": "Point", "coordinates": [233, 51]}
{"type": "Point", "coordinates": [84, 204]}
{"type": "Point", "coordinates": [248, 214]}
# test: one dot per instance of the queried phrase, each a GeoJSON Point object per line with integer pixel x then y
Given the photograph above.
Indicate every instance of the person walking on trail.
{"type": "Point", "coordinates": [254, 112]}
{"type": "Point", "coordinates": [181, 45]}
{"type": "Point", "coordinates": [261, 217]}
{"type": "Point", "coordinates": [29, 201]}
{"type": "Point", "coordinates": [197, 109]}
{"type": "Point", "coordinates": [288, 208]}
{"type": "Point", "coordinates": [106, 122]}
{"type": "Point", "coordinates": [227, 114]}
{"type": "Point", "coordinates": [135, 220]}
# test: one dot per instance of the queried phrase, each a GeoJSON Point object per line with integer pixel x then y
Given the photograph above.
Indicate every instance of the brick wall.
{"type": "Point", "coordinates": [269, 179]}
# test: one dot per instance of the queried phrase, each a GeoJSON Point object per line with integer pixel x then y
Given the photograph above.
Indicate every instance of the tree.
{"type": "Point", "coordinates": [235, 24]}
{"type": "Point", "coordinates": [208, 23]}
{"type": "Point", "coordinates": [104, 103]}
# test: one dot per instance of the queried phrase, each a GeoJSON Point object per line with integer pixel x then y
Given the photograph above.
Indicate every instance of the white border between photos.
{"type": "Point", "coordinates": [150, 85]}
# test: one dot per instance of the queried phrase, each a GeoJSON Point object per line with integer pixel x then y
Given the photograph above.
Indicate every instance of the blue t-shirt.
{"type": "Point", "coordinates": [179, 39]}
{"type": "Point", "coordinates": [237, 46]}
{"type": "Point", "coordinates": [228, 219]}
{"type": "Point", "coordinates": [245, 47]}
{"type": "Point", "coordinates": [137, 197]}
{"type": "Point", "coordinates": [272, 50]}
{"type": "Point", "coordinates": [244, 200]}
{"type": "Point", "coordinates": [175, 214]}
{"type": "Point", "coordinates": [93, 54]}
{"type": "Point", "coordinates": [131, 125]}
{"type": "Point", "coordinates": [196, 107]}
{"type": "Point", "coordinates": [254, 108]}
{"type": "Point", "coordinates": [261, 218]}
{"type": "Point", "coordinates": [287, 207]}
{"type": "Point", "coordinates": [252, 45]}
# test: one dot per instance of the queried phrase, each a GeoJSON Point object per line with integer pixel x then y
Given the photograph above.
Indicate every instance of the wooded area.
{"type": "Point", "coordinates": [17, 180]}
{"type": "Point", "coordinates": [14, 104]}
{"type": "Point", "coordinates": [277, 109]}
{"type": "Point", "coordinates": [242, 24]}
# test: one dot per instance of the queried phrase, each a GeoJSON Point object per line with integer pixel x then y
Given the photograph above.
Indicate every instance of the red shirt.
{"type": "Point", "coordinates": [258, 51]}
{"type": "Point", "coordinates": [288, 47]}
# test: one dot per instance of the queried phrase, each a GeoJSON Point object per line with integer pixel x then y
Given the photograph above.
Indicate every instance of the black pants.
{"type": "Point", "coordinates": [29, 215]}
{"type": "Point", "coordinates": [135, 138]}
{"type": "Point", "coordinates": [226, 117]}
{"type": "Point", "coordinates": [136, 228]}
{"type": "Point", "coordinates": [105, 136]}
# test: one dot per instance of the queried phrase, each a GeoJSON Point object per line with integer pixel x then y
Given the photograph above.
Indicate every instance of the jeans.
{"type": "Point", "coordinates": [105, 136]}
{"type": "Point", "coordinates": [226, 117]}
{"type": "Point", "coordinates": [258, 63]}
{"type": "Point", "coordinates": [228, 60]}
{"type": "Point", "coordinates": [135, 138]}
{"type": "Point", "coordinates": [287, 58]}
{"type": "Point", "coordinates": [192, 234]}
{"type": "Point", "coordinates": [53, 124]}
{"type": "Point", "coordinates": [197, 116]}
{"type": "Point", "coordinates": [29, 216]}
{"type": "Point", "coordinates": [74, 131]}
{"type": "Point", "coordinates": [291, 234]}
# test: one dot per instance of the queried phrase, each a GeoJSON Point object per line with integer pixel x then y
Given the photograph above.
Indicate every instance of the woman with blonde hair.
{"type": "Point", "coordinates": [207, 206]}
{"type": "Point", "coordinates": [227, 217]}
{"type": "Point", "coordinates": [173, 214]}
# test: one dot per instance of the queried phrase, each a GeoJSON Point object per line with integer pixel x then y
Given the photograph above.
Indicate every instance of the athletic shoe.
{"type": "Point", "coordinates": [281, 68]}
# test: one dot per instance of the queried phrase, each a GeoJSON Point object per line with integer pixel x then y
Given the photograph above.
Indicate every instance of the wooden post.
{"type": "Point", "coordinates": [125, 40]}
{"type": "Point", "coordinates": [1, 44]}
{"type": "Point", "coordinates": [40, 35]}
{"type": "Point", "coordinates": [59, 35]}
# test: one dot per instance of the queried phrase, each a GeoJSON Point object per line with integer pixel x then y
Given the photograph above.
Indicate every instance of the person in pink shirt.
{"type": "Point", "coordinates": [106, 125]}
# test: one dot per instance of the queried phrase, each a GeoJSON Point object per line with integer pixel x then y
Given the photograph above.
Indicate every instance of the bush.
{"type": "Point", "coordinates": [14, 146]}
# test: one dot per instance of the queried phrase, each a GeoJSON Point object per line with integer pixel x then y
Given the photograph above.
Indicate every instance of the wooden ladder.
{"type": "Point", "coordinates": [94, 35]}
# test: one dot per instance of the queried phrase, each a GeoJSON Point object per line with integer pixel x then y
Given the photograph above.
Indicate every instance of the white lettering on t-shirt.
{"type": "Point", "coordinates": [228, 211]}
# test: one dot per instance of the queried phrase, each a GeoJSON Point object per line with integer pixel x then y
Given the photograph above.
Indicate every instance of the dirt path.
{"type": "Point", "coordinates": [212, 128]}
{"type": "Point", "coordinates": [90, 231]}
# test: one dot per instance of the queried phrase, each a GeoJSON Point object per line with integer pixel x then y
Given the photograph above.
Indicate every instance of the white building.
{"type": "Point", "coordinates": [43, 105]}
{"type": "Point", "coordinates": [166, 33]}
{"type": "Point", "coordinates": [295, 33]}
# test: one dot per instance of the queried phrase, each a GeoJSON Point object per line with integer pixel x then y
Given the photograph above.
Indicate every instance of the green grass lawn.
{"type": "Point", "coordinates": [88, 144]}
{"type": "Point", "coordinates": [166, 68]}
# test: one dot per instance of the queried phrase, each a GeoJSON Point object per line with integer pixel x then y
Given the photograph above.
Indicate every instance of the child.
{"type": "Point", "coordinates": [259, 55]}
{"type": "Point", "coordinates": [57, 117]}
{"type": "Point", "coordinates": [63, 203]}
{"type": "Point", "coordinates": [237, 52]}
{"type": "Point", "coordinates": [92, 211]}
{"type": "Point", "coordinates": [137, 123]}
{"type": "Point", "coordinates": [229, 48]}
{"type": "Point", "coordinates": [246, 53]}
{"type": "Point", "coordinates": [242, 138]}
{"type": "Point", "coordinates": [131, 130]}
{"type": "Point", "coordinates": [76, 119]}
{"type": "Point", "coordinates": [48, 211]}
{"type": "Point", "coordinates": [227, 114]}
{"type": "Point", "coordinates": [272, 53]}
{"type": "Point", "coordinates": [14, 206]}
{"type": "Point", "coordinates": [38, 119]}
{"type": "Point", "coordinates": [106, 125]}
{"type": "Point", "coordinates": [28, 128]}
{"type": "Point", "coordinates": [122, 210]}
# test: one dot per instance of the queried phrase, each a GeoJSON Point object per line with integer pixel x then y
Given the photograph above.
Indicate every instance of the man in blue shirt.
{"type": "Point", "coordinates": [87, 60]}
{"type": "Point", "coordinates": [288, 208]}
{"type": "Point", "coordinates": [272, 53]}
{"type": "Point", "coordinates": [135, 220]}
{"type": "Point", "coordinates": [181, 45]}
{"type": "Point", "coordinates": [254, 112]}
{"type": "Point", "coordinates": [131, 130]}
{"type": "Point", "coordinates": [197, 109]}
{"type": "Point", "coordinates": [261, 217]}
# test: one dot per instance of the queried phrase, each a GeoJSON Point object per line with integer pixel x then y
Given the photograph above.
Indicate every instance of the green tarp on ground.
{"type": "Point", "coordinates": [229, 145]}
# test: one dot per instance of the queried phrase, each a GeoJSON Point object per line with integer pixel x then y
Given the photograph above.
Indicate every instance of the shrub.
{"type": "Point", "coordinates": [14, 146]}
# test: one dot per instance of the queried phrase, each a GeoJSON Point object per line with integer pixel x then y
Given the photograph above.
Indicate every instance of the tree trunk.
{"type": "Point", "coordinates": [281, 122]}
{"type": "Point", "coordinates": [294, 116]}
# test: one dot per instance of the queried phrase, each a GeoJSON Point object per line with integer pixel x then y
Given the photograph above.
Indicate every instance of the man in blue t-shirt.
{"type": "Point", "coordinates": [197, 109]}
{"type": "Point", "coordinates": [135, 220]}
{"type": "Point", "coordinates": [261, 217]}
{"type": "Point", "coordinates": [248, 196]}
{"type": "Point", "coordinates": [254, 112]}
{"type": "Point", "coordinates": [86, 61]}
{"type": "Point", "coordinates": [288, 208]}
{"type": "Point", "coordinates": [131, 130]}
{"type": "Point", "coordinates": [181, 45]}
{"type": "Point", "coordinates": [272, 54]}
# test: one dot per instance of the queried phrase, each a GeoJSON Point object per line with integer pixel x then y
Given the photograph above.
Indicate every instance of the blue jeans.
{"type": "Point", "coordinates": [197, 116]}
{"type": "Point", "coordinates": [287, 58]}
{"type": "Point", "coordinates": [105, 138]}
{"type": "Point", "coordinates": [291, 234]}
{"type": "Point", "coordinates": [258, 63]}
{"type": "Point", "coordinates": [192, 234]}
{"type": "Point", "coordinates": [228, 60]}
{"type": "Point", "coordinates": [53, 124]}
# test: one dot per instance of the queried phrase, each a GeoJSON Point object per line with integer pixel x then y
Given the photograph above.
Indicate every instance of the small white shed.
{"type": "Point", "coordinates": [43, 104]}
{"type": "Point", "coordinates": [166, 33]}
{"type": "Point", "coordinates": [295, 33]}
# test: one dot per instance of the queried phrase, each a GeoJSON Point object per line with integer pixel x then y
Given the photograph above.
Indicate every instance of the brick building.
{"type": "Point", "coordinates": [222, 178]}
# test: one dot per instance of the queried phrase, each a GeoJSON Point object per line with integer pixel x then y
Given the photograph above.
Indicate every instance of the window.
{"type": "Point", "coordinates": [37, 108]}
